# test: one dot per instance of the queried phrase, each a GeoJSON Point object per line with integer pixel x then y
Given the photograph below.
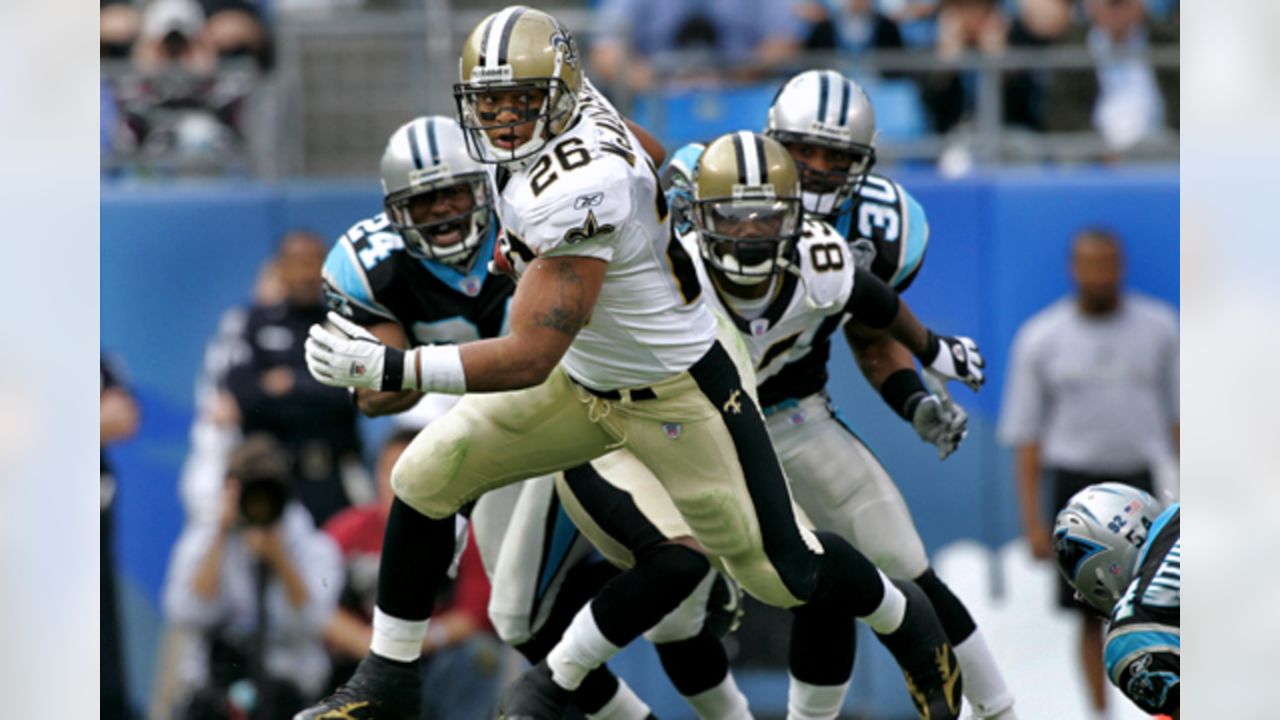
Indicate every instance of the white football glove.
{"type": "Point", "coordinates": [941, 423]}
{"type": "Point", "coordinates": [347, 355]}
{"type": "Point", "coordinates": [957, 358]}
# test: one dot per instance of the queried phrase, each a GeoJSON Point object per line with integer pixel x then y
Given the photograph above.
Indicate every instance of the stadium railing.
{"type": "Point", "coordinates": [344, 81]}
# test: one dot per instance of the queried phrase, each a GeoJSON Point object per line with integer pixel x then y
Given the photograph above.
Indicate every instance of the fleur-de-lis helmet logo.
{"type": "Point", "coordinates": [563, 41]}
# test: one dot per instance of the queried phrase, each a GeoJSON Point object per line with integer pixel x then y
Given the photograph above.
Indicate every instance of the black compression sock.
{"type": "Point", "coordinates": [416, 552]}
{"type": "Point", "coordinates": [694, 665]}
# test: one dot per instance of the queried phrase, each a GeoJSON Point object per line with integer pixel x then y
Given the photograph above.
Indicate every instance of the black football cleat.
{"type": "Point", "coordinates": [925, 656]}
{"type": "Point", "coordinates": [534, 696]}
{"type": "Point", "coordinates": [378, 690]}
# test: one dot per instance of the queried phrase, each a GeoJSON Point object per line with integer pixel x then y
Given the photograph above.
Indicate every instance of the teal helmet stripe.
{"type": "Point", "coordinates": [846, 92]}
{"type": "Point", "coordinates": [414, 149]}
{"type": "Point", "coordinates": [823, 91]}
{"type": "Point", "coordinates": [431, 141]}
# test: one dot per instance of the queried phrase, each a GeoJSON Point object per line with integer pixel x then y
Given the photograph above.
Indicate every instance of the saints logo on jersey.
{"type": "Point", "coordinates": [590, 228]}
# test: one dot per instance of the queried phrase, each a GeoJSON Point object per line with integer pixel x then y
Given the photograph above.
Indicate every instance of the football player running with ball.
{"type": "Point", "coordinates": [417, 274]}
{"type": "Point", "coordinates": [609, 342]}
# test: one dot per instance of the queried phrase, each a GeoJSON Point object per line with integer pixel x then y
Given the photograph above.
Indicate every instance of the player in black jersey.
{"type": "Point", "coordinates": [1125, 561]}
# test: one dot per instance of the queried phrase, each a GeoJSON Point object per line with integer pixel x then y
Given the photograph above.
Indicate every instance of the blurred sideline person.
{"type": "Point", "coordinates": [586, 231]}
{"type": "Point", "coordinates": [258, 588]}
{"type": "Point", "coordinates": [118, 420]}
{"type": "Point", "coordinates": [1092, 396]}
{"type": "Point", "coordinates": [1123, 556]}
{"type": "Point", "coordinates": [827, 125]}
{"type": "Point", "coordinates": [462, 672]}
{"type": "Point", "coordinates": [215, 431]}
{"type": "Point", "coordinates": [274, 393]}
{"type": "Point", "coordinates": [421, 268]}
{"type": "Point", "coordinates": [214, 435]}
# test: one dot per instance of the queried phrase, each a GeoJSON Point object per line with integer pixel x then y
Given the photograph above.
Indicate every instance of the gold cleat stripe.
{"type": "Point", "coordinates": [344, 712]}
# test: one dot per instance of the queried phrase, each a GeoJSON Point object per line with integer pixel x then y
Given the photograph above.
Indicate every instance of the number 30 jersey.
{"type": "Point", "coordinates": [593, 192]}
{"type": "Point", "coordinates": [807, 306]}
{"type": "Point", "coordinates": [886, 229]}
{"type": "Point", "coordinates": [370, 278]}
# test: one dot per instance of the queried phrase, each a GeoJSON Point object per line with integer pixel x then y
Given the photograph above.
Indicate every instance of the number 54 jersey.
{"type": "Point", "coordinates": [593, 192]}
{"type": "Point", "coordinates": [807, 306]}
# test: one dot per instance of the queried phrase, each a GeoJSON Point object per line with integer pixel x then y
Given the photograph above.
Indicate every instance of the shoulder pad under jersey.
{"type": "Point", "coordinates": [887, 231]}
{"type": "Point", "coordinates": [825, 264]}
{"type": "Point", "coordinates": [350, 267]}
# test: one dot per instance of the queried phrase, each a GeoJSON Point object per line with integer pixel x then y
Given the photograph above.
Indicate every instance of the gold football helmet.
{"type": "Point", "coordinates": [520, 74]}
{"type": "Point", "coordinates": [747, 208]}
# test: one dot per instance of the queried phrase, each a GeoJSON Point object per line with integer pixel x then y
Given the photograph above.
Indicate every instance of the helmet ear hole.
{"type": "Point", "coordinates": [1098, 538]}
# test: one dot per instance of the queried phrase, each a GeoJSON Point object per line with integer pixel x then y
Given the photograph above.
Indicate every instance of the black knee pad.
{"type": "Point", "coordinates": [639, 598]}
{"type": "Point", "coordinates": [956, 620]}
{"type": "Point", "coordinates": [674, 564]}
{"type": "Point", "coordinates": [846, 578]}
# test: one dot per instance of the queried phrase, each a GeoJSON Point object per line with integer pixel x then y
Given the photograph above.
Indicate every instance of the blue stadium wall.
{"type": "Point", "coordinates": [173, 258]}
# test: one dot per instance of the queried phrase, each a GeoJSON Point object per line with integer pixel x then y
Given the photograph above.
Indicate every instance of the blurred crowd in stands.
{"type": "Point", "coordinates": [177, 73]}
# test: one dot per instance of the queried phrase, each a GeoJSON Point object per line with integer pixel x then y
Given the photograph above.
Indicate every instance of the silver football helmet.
{"type": "Point", "coordinates": [1097, 538]}
{"type": "Point", "coordinates": [823, 107]}
{"type": "Point", "coordinates": [424, 168]}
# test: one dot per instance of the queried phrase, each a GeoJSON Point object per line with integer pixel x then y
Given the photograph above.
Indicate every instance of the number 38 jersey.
{"type": "Point", "coordinates": [371, 278]}
{"type": "Point", "coordinates": [807, 306]}
{"type": "Point", "coordinates": [593, 192]}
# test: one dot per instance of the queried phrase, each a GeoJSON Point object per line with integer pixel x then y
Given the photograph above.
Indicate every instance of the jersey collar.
{"type": "Point", "coordinates": [772, 314]}
{"type": "Point", "coordinates": [468, 284]}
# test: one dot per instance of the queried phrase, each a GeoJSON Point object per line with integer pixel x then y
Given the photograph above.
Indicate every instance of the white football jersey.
{"type": "Point", "coordinates": [803, 310]}
{"type": "Point", "coordinates": [593, 192]}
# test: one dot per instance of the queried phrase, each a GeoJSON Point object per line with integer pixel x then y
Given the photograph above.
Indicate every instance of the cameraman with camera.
{"type": "Point", "coordinates": [257, 589]}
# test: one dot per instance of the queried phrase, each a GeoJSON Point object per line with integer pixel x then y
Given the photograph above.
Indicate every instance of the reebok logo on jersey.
{"type": "Point", "coordinates": [357, 369]}
{"type": "Point", "coordinates": [590, 228]}
{"type": "Point", "coordinates": [589, 200]}
{"type": "Point", "coordinates": [672, 430]}
{"type": "Point", "coordinates": [733, 404]}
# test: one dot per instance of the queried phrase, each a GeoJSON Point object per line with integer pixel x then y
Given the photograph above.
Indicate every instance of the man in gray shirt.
{"type": "Point", "coordinates": [1092, 396]}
